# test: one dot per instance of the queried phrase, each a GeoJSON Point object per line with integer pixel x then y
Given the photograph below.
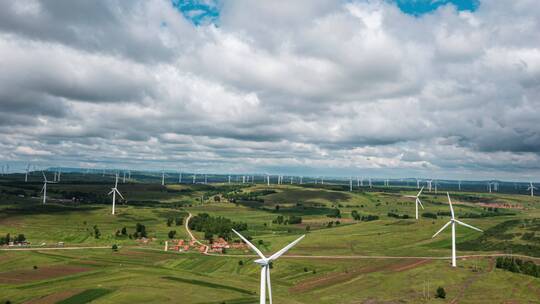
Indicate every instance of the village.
{"type": "Point", "coordinates": [217, 246]}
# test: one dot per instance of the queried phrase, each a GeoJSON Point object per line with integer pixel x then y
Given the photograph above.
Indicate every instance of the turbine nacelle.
{"type": "Point", "coordinates": [262, 262]}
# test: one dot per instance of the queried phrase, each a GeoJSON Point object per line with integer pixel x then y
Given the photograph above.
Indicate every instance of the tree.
{"type": "Point", "coordinates": [124, 231]}
{"type": "Point", "coordinates": [217, 199]}
{"type": "Point", "coordinates": [179, 221]}
{"type": "Point", "coordinates": [20, 238]}
{"type": "Point", "coordinates": [169, 222]}
{"type": "Point", "coordinates": [97, 233]}
{"type": "Point", "coordinates": [441, 293]}
{"type": "Point", "coordinates": [140, 230]}
{"type": "Point", "coordinates": [308, 228]}
{"type": "Point", "coordinates": [114, 247]}
{"type": "Point", "coordinates": [240, 263]}
{"type": "Point", "coordinates": [172, 233]}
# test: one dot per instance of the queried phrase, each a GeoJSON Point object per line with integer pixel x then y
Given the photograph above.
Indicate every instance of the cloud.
{"type": "Point", "coordinates": [310, 86]}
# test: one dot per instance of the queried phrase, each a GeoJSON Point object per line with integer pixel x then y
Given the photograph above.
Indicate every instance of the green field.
{"type": "Point", "coordinates": [387, 260]}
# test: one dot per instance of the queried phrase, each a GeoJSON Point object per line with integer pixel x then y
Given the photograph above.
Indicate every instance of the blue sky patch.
{"type": "Point", "coordinates": [199, 12]}
{"type": "Point", "coordinates": [420, 7]}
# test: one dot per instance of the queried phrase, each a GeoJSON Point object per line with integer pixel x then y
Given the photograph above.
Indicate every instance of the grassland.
{"type": "Point", "coordinates": [388, 260]}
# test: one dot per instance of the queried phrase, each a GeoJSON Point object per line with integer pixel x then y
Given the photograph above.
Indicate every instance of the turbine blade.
{"type": "Point", "coordinates": [420, 192]}
{"type": "Point", "coordinates": [469, 226]}
{"type": "Point", "coordinates": [450, 203]}
{"type": "Point", "coordinates": [44, 177]}
{"type": "Point", "coordinates": [282, 251]}
{"type": "Point", "coordinates": [111, 192]}
{"type": "Point", "coordinates": [440, 230]}
{"type": "Point", "coordinates": [119, 193]}
{"type": "Point", "coordinates": [269, 284]}
{"type": "Point", "coordinates": [420, 203]}
{"type": "Point", "coordinates": [250, 245]}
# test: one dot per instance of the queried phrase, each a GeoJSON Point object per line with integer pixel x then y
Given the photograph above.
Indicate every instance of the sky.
{"type": "Point", "coordinates": [380, 88]}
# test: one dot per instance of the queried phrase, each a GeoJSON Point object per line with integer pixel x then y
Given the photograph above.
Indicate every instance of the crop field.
{"type": "Point", "coordinates": [361, 246]}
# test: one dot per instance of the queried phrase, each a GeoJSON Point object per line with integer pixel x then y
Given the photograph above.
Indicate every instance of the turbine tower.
{"type": "Point", "coordinates": [453, 221]}
{"type": "Point", "coordinates": [163, 177]}
{"type": "Point", "coordinates": [532, 188]}
{"type": "Point", "coordinates": [114, 191]}
{"type": "Point", "coordinates": [264, 262]}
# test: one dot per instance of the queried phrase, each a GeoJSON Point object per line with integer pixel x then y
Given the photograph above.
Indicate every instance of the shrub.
{"type": "Point", "coordinates": [441, 293]}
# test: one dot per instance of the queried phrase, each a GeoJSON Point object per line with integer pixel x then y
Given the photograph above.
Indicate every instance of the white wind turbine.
{"type": "Point", "coordinates": [163, 177]}
{"type": "Point", "coordinates": [453, 221]}
{"type": "Point", "coordinates": [44, 189]}
{"type": "Point", "coordinates": [417, 202]}
{"type": "Point", "coordinates": [264, 262]}
{"type": "Point", "coordinates": [113, 192]}
{"type": "Point", "coordinates": [26, 173]}
{"type": "Point", "coordinates": [532, 188]}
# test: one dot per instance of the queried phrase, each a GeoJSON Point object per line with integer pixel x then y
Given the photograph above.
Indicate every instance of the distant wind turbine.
{"type": "Point", "coordinates": [44, 189]}
{"type": "Point", "coordinates": [453, 221]}
{"type": "Point", "coordinates": [114, 191]}
{"type": "Point", "coordinates": [265, 262]}
{"type": "Point", "coordinates": [163, 177]}
{"type": "Point", "coordinates": [532, 188]}
{"type": "Point", "coordinates": [26, 173]}
{"type": "Point", "coordinates": [418, 202]}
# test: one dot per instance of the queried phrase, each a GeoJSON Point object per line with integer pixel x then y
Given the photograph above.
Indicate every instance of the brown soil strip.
{"type": "Point", "coordinates": [42, 273]}
{"type": "Point", "coordinates": [344, 276]}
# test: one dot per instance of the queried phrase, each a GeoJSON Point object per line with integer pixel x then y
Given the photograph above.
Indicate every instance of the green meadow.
{"type": "Point", "coordinates": [391, 258]}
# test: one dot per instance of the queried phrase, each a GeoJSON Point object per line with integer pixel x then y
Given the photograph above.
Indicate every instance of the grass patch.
{"type": "Point", "coordinates": [208, 284]}
{"type": "Point", "coordinates": [86, 296]}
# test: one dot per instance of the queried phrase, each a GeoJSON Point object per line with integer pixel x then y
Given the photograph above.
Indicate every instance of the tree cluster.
{"type": "Point", "coordinates": [518, 266]}
{"type": "Point", "coordinates": [293, 219]}
{"type": "Point", "coordinates": [398, 216]}
{"type": "Point", "coordinates": [365, 218]}
{"type": "Point", "coordinates": [211, 226]}
{"type": "Point", "coordinates": [17, 239]}
{"type": "Point", "coordinates": [336, 213]}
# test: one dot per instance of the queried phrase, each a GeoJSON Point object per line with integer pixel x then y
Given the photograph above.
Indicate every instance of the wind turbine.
{"type": "Point", "coordinates": [44, 189]}
{"type": "Point", "coordinates": [429, 184]}
{"type": "Point", "coordinates": [417, 202]}
{"type": "Point", "coordinates": [350, 184]}
{"type": "Point", "coordinates": [453, 221]}
{"type": "Point", "coordinates": [264, 262]}
{"type": "Point", "coordinates": [113, 192]}
{"type": "Point", "coordinates": [26, 173]}
{"type": "Point", "coordinates": [532, 188]}
{"type": "Point", "coordinates": [163, 177]}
